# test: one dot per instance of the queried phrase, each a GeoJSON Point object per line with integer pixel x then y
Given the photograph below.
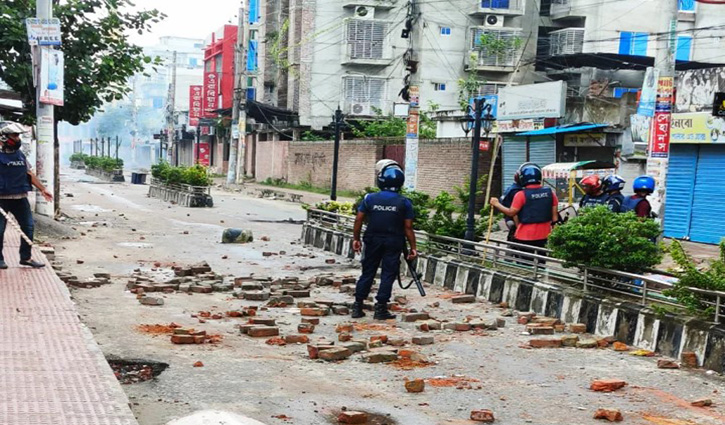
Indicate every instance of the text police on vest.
{"type": "Point", "coordinates": [388, 208]}
{"type": "Point", "coordinates": [539, 195]}
{"type": "Point", "coordinates": [16, 164]}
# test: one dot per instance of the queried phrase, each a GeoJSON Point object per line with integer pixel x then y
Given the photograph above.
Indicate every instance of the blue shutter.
{"type": "Point", "coordinates": [253, 11]}
{"type": "Point", "coordinates": [684, 45]}
{"type": "Point", "coordinates": [708, 208]}
{"type": "Point", "coordinates": [686, 5]}
{"type": "Point", "coordinates": [625, 43]}
{"type": "Point", "coordinates": [542, 151]}
{"type": "Point", "coordinates": [680, 187]}
{"type": "Point", "coordinates": [640, 44]}
{"type": "Point", "coordinates": [252, 56]}
{"type": "Point", "coordinates": [514, 154]}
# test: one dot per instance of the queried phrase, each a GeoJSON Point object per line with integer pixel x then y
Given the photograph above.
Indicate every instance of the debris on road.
{"type": "Point", "coordinates": [611, 415]}
{"type": "Point", "coordinates": [415, 386]}
{"type": "Point", "coordinates": [703, 402]}
{"type": "Point", "coordinates": [608, 385]}
{"type": "Point", "coordinates": [484, 415]}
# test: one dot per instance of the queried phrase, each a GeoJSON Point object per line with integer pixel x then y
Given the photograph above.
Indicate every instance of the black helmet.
{"type": "Point", "coordinates": [517, 174]}
{"type": "Point", "coordinates": [391, 178]}
{"type": "Point", "coordinates": [530, 174]}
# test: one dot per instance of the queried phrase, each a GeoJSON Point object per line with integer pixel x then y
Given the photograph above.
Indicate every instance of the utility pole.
{"type": "Point", "coordinates": [134, 122]}
{"type": "Point", "coordinates": [170, 120]}
{"type": "Point", "coordinates": [235, 173]}
{"type": "Point", "coordinates": [45, 114]}
{"type": "Point", "coordinates": [659, 149]}
{"type": "Point", "coordinates": [475, 152]}
{"type": "Point", "coordinates": [411, 93]}
{"type": "Point", "coordinates": [337, 122]}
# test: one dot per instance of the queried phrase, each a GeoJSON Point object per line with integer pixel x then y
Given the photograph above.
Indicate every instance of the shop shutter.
{"type": "Point", "coordinates": [708, 209]}
{"type": "Point", "coordinates": [680, 187]}
{"type": "Point", "coordinates": [514, 154]}
{"type": "Point", "coordinates": [542, 151]}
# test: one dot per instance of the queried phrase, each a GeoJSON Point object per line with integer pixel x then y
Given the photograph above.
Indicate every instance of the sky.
{"type": "Point", "coordinates": [187, 18]}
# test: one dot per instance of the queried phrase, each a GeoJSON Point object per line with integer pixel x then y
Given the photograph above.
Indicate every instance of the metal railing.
{"type": "Point", "coordinates": [536, 263]}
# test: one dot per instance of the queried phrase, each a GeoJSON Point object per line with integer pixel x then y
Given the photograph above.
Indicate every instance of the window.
{"type": "Point", "coordinates": [566, 42]}
{"type": "Point", "coordinates": [445, 31]}
{"type": "Point", "coordinates": [495, 4]}
{"type": "Point", "coordinates": [490, 89]}
{"type": "Point", "coordinates": [366, 39]}
{"type": "Point", "coordinates": [633, 43]}
{"type": "Point", "coordinates": [193, 62]}
{"type": "Point", "coordinates": [253, 11]}
{"type": "Point", "coordinates": [439, 86]}
{"type": "Point", "coordinates": [686, 5]}
{"type": "Point", "coordinates": [508, 42]}
{"type": "Point", "coordinates": [684, 47]}
{"type": "Point", "coordinates": [363, 94]}
{"type": "Point", "coordinates": [218, 63]}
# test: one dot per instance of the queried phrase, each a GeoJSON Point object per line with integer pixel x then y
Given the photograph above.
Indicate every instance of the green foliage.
{"type": "Point", "coordinates": [196, 175]}
{"type": "Point", "coordinates": [391, 126]}
{"type": "Point", "coordinates": [468, 89]}
{"type": "Point", "coordinates": [98, 162]}
{"type": "Point", "coordinates": [689, 276]}
{"type": "Point", "coordinates": [309, 136]}
{"type": "Point", "coordinates": [492, 45]}
{"type": "Point", "coordinates": [99, 57]}
{"type": "Point", "coordinates": [77, 157]}
{"type": "Point", "coordinates": [346, 208]}
{"type": "Point", "coordinates": [600, 238]}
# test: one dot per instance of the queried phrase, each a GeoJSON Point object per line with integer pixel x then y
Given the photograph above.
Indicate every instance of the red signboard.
{"type": "Point", "coordinates": [211, 94]}
{"type": "Point", "coordinates": [660, 140]}
{"type": "Point", "coordinates": [195, 104]}
{"type": "Point", "coordinates": [202, 154]}
{"type": "Point", "coordinates": [484, 145]}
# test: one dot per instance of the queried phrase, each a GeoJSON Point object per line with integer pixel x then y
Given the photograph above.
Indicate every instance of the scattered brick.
{"type": "Point", "coordinates": [276, 341]}
{"type": "Point", "coordinates": [330, 261]}
{"type": "Point", "coordinates": [340, 310]}
{"type": "Point", "coordinates": [423, 340]}
{"type": "Point", "coordinates": [397, 342]}
{"type": "Point", "coordinates": [182, 339]}
{"type": "Point", "coordinates": [381, 338]}
{"type": "Point", "coordinates": [415, 386]}
{"type": "Point", "coordinates": [458, 327]}
{"type": "Point", "coordinates": [311, 321]}
{"type": "Point", "coordinates": [151, 301]}
{"type": "Point", "coordinates": [485, 416]}
{"type": "Point", "coordinates": [423, 327]}
{"type": "Point", "coordinates": [263, 331]}
{"type": "Point", "coordinates": [607, 385]}
{"type": "Point", "coordinates": [198, 364]}
{"type": "Point", "coordinates": [620, 346]}
{"type": "Point", "coordinates": [542, 330]}
{"type": "Point", "coordinates": [602, 342]}
{"type": "Point", "coordinates": [314, 312]}
{"type": "Point", "coordinates": [667, 364]}
{"type": "Point", "coordinates": [344, 337]}
{"type": "Point", "coordinates": [263, 321]}
{"type": "Point", "coordinates": [611, 415]}
{"type": "Point", "coordinates": [201, 289]}
{"type": "Point", "coordinates": [298, 294]}
{"type": "Point", "coordinates": [379, 357]}
{"type": "Point", "coordinates": [703, 402]}
{"type": "Point", "coordinates": [297, 339]}
{"type": "Point", "coordinates": [355, 346]}
{"type": "Point", "coordinates": [643, 353]}
{"type": "Point", "coordinates": [313, 350]}
{"type": "Point", "coordinates": [689, 359]}
{"type": "Point", "coordinates": [569, 340]}
{"type": "Point", "coordinates": [546, 343]}
{"type": "Point", "coordinates": [352, 417]}
{"type": "Point", "coordinates": [578, 328]}
{"type": "Point", "coordinates": [305, 328]}
{"type": "Point", "coordinates": [464, 299]}
{"type": "Point", "coordinates": [587, 343]}
{"type": "Point", "coordinates": [335, 354]}
{"type": "Point", "coordinates": [414, 317]}
{"type": "Point", "coordinates": [344, 327]}
{"type": "Point", "coordinates": [255, 296]}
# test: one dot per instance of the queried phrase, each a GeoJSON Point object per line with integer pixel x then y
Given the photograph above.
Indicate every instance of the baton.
{"type": "Point", "coordinates": [416, 276]}
{"type": "Point", "coordinates": [16, 226]}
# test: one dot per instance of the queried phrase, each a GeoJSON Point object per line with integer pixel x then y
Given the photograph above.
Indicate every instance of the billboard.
{"type": "Point", "coordinates": [698, 127]}
{"type": "Point", "coordinates": [545, 100]}
{"type": "Point", "coordinates": [211, 94]}
{"type": "Point", "coordinates": [195, 105]}
{"type": "Point", "coordinates": [660, 142]}
{"type": "Point", "coordinates": [696, 89]}
{"type": "Point", "coordinates": [646, 105]}
{"type": "Point", "coordinates": [51, 76]}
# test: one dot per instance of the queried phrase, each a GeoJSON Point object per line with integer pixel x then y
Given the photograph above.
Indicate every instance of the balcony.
{"type": "Point", "coordinates": [366, 42]}
{"type": "Point", "coordinates": [568, 41]}
{"type": "Point", "coordinates": [499, 7]}
{"type": "Point", "coordinates": [496, 50]}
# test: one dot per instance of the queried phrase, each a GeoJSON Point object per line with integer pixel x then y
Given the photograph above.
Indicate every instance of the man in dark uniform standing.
{"type": "Point", "coordinates": [594, 194]}
{"type": "Point", "coordinates": [389, 223]}
{"type": "Point", "coordinates": [16, 180]}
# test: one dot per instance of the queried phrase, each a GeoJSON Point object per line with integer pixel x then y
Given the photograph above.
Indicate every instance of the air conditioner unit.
{"type": "Point", "coordinates": [493, 21]}
{"type": "Point", "coordinates": [360, 109]}
{"type": "Point", "coordinates": [365, 12]}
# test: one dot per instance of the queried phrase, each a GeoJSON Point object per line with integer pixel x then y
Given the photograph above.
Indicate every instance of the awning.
{"type": "Point", "coordinates": [563, 129]}
{"type": "Point", "coordinates": [611, 61]}
{"type": "Point", "coordinates": [582, 168]}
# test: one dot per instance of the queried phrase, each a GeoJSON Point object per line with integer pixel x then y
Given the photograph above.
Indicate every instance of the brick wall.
{"type": "Point", "coordinates": [443, 163]}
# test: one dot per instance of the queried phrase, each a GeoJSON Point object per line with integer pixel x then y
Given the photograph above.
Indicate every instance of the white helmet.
{"type": "Point", "coordinates": [383, 164]}
{"type": "Point", "coordinates": [10, 127]}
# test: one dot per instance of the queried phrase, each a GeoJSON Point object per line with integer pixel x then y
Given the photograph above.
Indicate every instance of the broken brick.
{"type": "Point", "coordinates": [464, 299]}
{"type": "Point", "coordinates": [263, 331]}
{"type": "Point", "coordinates": [381, 338]}
{"type": "Point", "coordinates": [607, 385]}
{"type": "Point", "coordinates": [344, 337]}
{"type": "Point", "coordinates": [541, 330]}
{"type": "Point", "coordinates": [313, 350]}
{"type": "Point", "coordinates": [611, 415]}
{"type": "Point", "coordinates": [703, 402]}
{"type": "Point", "coordinates": [305, 328]}
{"type": "Point", "coordinates": [352, 417]}
{"type": "Point", "coordinates": [263, 321]}
{"type": "Point", "coordinates": [482, 416]}
{"type": "Point", "coordinates": [578, 328]}
{"type": "Point", "coordinates": [415, 386]}
{"type": "Point", "coordinates": [587, 343]}
{"type": "Point", "coordinates": [423, 340]}
{"type": "Point", "coordinates": [569, 340]}
{"type": "Point", "coordinates": [311, 321]}
{"type": "Point", "coordinates": [297, 339]}
{"type": "Point", "coordinates": [546, 343]}
{"type": "Point", "coordinates": [335, 353]}
{"type": "Point", "coordinates": [198, 364]}
{"type": "Point", "coordinates": [344, 327]}
{"type": "Point", "coordinates": [620, 346]}
{"type": "Point", "coordinates": [667, 364]}
{"type": "Point", "coordinates": [276, 341]}
{"type": "Point", "coordinates": [689, 359]}
{"type": "Point", "coordinates": [414, 317]}
{"type": "Point", "coordinates": [379, 357]}
{"type": "Point", "coordinates": [182, 339]}
{"type": "Point", "coordinates": [314, 312]}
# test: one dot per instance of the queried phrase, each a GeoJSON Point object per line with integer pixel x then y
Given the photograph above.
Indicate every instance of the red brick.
{"type": "Point", "coordinates": [313, 350]}
{"type": "Point", "coordinates": [689, 359]}
{"type": "Point", "coordinates": [311, 321]}
{"type": "Point", "coordinates": [344, 337]}
{"type": "Point", "coordinates": [482, 416]}
{"type": "Point", "coordinates": [297, 339]}
{"type": "Point", "coordinates": [335, 353]}
{"type": "Point", "coordinates": [182, 339]}
{"type": "Point", "coordinates": [546, 343]}
{"type": "Point", "coordinates": [262, 321]}
{"type": "Point", "coordinates": [344, 327]}
{"type": "Point", "coordinates": [463, 299]}
{"type": "Point", "coordinates": [305, 328]}
{"type": "Point", "coordinates": [263, 331]}
{"type": "Point", "coordinates": [667, 364]}
{"type": "Point", "coordinates": [415, 386]}
{"type": "Point", "coordinates": [381, 338]}
{"type": "Point", "coordinates": [352, 417]}
{"type": "Point", "coordinates": [541, 330]}
{"type": "Point", "coordinates": [611, 415]}
{"type": "Point", "coordinates": [607, 385]}
{"type": "Point", "coordinates": [313, 312]}
{"type": "Point", "coordinates": [703, 402]}
{"type": "Point", "coordinates": [620, 346]}
{"type": "Point", "coordinates": [578, 328]}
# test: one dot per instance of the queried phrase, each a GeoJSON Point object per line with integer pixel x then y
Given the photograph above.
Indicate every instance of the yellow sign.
{"type": "Point", "coordinates": [697, 127]}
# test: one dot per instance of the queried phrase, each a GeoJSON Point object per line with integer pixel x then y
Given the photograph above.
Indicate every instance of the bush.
{"type": "Point", "coordinates": [99, 162]}
{"type": "Point", "coordinates": [689, 276]}
{"type": "Point", "coordinates": [78, 157]}
{"type": "Point", "coordinates": [197, 175]}
{"type": "Point", "coordinates": [347, 208]}
{"type": "Point", "coordinates": [600, 238]}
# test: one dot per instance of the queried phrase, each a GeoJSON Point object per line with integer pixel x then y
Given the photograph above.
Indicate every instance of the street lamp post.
{"type": "Point", "coordinates": [483, 120]}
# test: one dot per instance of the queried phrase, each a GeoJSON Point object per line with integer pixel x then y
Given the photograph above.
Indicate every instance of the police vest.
{"type": "Point", "coordinates": [630, 203]}
{"type": "Point", "coordinates": [14, 177]}
{"type": "Point", "coordinates": [508, 196]}
{"type": "Point", "coordinates": [537, 208]}
{"type": "Point", "coordinates": [386, 212]}
{"type": "Point", "coordinates": [594, 201]}
{"type": "Point", "coordinates": [615, 202]}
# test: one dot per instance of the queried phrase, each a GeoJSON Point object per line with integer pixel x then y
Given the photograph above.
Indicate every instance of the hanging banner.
{"type": "Point", "coordinates": [660, 145]}
{"type": "Point", "coordinates": [43, 32]}
{"type": "Point", "coordinates": [51, 76]}
{"type": "Point", "coordinates": [202, 154]}
{"type": "Point", "coordinates": [413, 122]}
{"type": "Point", "coordinates": [195, 104]}
{"type": "Point", "coordinates": [211, 94]}
{"type": "Point", "coordinates": [648, 97]}
{"type": "Point", "coordinates": [665, 94]}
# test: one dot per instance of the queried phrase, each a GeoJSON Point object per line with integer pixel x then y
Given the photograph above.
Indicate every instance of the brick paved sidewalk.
{"type": "Point", "coordinates": [51, 369]}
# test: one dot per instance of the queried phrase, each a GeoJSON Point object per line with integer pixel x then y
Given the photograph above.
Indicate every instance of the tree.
{"type": "Point", "coordinates": [99, 57]}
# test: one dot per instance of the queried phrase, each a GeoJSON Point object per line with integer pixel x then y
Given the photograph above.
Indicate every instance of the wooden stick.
{"type": "Point", "coordinates": [496, 146]}
{"type": "Point", "coordinates": [16, 226]}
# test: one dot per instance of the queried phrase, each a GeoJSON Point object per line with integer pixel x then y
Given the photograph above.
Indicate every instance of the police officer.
{"type": "Point", "coordinates": [594, 196]}
{"type": "Point", "coordinates": [508, 198]}
{"type": "Point", "coordinates": [389, 223]}
{"type": "Point", "coordinates": [642, 186]}
{"type": "Point", "coordinates": [16, 180]}
{"type": "Point", "coordinates": [536, 207]}
{"type": "Point", "coordinates": [613, 185]}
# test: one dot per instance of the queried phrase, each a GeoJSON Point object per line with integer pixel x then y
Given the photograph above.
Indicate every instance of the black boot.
{"type": "Point", "coordinates": [382, 313]}
{"type": "Point", "coordinates": [357, 310]}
